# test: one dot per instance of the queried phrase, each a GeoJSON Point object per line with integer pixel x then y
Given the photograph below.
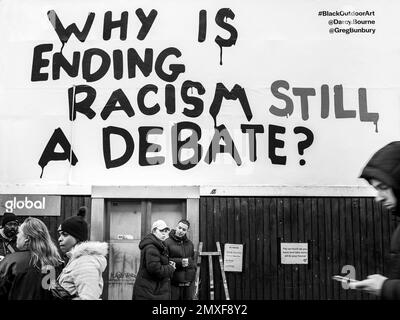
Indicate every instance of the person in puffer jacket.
{"type": "Point", "coordinates": [153, 281]}
{"type": "Point", "coordinates": [181, 251]}
{"type": "Point", "coordinates": [383, 172]}
{"type": "Point", "coordinates": [82, 276]}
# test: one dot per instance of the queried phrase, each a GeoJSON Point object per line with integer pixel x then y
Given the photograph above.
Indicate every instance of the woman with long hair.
{"type": "Point", "coordinates": [29, 273]}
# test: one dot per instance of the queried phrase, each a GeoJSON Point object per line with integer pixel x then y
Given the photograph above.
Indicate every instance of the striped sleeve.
{"type": "Point", "coordinates": [87, 278]}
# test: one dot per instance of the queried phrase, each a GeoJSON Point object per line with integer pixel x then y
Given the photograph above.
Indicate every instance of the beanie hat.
{"type": "Point", "coordinates": [384, 166]}
{"type": "Point", "coordinates": [7, 217]}
{"type": "Point", "coordinates": [76, 226]}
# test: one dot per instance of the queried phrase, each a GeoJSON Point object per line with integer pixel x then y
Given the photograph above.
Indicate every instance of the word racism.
{"type": "Point", "coordinates": [132, 61]}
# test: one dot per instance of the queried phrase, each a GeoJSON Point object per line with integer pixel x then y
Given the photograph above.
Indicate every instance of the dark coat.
{"type": "Point", "coordinates": [5, 245]}
{"type": "Point", "coordinates": [179, 248]}
{"type": "Point", "coordinates": [153, 281]}
{"type": "Point", "coordinates": [384, 166]}
{"type": "Point", "coordinates": [19, 280]}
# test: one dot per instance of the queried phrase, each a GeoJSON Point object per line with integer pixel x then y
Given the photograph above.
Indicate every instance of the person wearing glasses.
{"type": "Point", "coordinates": [153, 281]}
{"type": "Point", "coordinates": [8, 234]}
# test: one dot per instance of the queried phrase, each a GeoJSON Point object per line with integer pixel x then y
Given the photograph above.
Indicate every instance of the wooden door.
{"type": "Point", "coordinates": [129, 221]}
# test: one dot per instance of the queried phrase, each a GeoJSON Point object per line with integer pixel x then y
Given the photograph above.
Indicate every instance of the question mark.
{"type": "Point", "coordinates": [305, 143]}
{"type": "Point", "coordinates": [350, 273]}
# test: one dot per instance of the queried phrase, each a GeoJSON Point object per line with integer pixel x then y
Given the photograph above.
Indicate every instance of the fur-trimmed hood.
{"type": "Point", "coordinates": [91, 248]}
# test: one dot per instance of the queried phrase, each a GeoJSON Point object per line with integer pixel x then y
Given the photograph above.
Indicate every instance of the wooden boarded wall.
{"type": "Point", "coordinates": [340, 231]}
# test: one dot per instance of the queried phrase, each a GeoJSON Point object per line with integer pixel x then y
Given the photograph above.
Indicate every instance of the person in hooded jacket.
{"type": "Point", "coordinates": [181, 251]}
{"type": "Point", "coordinates": [82, 276]}
{"type": "Point", "coordinates": [383, 172]}
{"type": "Point", "coordinates": [153, 281]}
{"type": "Point", "coordinates": [24, 274]}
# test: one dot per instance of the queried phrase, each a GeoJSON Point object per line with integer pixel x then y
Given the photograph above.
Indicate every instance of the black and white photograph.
{"type": "Point", "coordinates": [202, 155]}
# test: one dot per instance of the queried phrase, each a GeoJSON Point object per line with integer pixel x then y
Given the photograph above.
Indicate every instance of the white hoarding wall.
{"type": "Point", "coordinates": [196, 93]}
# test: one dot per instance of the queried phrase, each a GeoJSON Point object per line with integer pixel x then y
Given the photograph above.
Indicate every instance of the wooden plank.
{"type": "Point", "coordinates": [336, 246]}
{"type": "Point", "coordinates": [273, 231]}
{"type": "Point", "coordinates": [203, 291]}
{"type": "Point", "coordinates": [223, 221]}
{"type": "Point", "coordinates": [328, 248]}
{"type": "Point", "coordinates": [197, 279]}
{"type": "Point", "coordinates": [218, 290]}
{"type": "Point", "coordinates": [260, 258]}
{"type": "Point", "coordinates": [280, 234]}
{"type": "Point", "coordinates": [294, 221]}
{"type": "Point", "coordinates": [238, 239]}
{"type": "Point", "coordinates": [343, 245]}
{"type": "Point", "coordinates": [302, 280]}
{"type": "Point", "coordinates": [386, 236]}
{"type": "Point", "coordinates": [244, 207]}
{"type": "Point", "coordinates": [322, 249]}
{"type": "Point", "coordinates": [210, 240]}
{"type": "Point", "coordinates": [356, 238]}
{"type": "Point", "coordinates": [363, 272]}
{"type": "Point", "coordinates": [209, 253]}
{"type": "Point", "coordinates": [88, 203]}
{"type": "Point", "coordinates": [210, 270]}
{"type": "Point", "coordinates": [252, 249]}
{"type": "Point", "coordinates": [267, 264]}
{"type": "Point", "coordinates": [223, 231]}
{"type": "Point", "coordinates": [370, 238]}
{"type": "Point", "coordinates": [287, 237]}
{"type": "Point", "coordinates": [309, 238]}
{"type": "Point", "coordinates": [316, 246]}
{"type": "Point", "coordinates": [221, 264]}
{"type": "Point", "coordinates": [378, 236]}
{"type": "Point", "coordinates": [350, 259]}
{"type": "Point", "coordinates": [231, 239]}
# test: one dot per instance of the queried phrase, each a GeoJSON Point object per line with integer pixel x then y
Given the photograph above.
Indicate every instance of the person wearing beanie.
{"type": "Point", "coordinates": [82, 276]}
{"type": "Point", "coordinates": [8, 234]}
{"type": "Point", "coordinates": [153, 280]}
{"type": "Point", "coordinates": [382, 172]}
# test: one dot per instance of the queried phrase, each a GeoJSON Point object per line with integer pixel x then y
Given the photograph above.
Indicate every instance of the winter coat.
{"type": "Point", "coordinates": [153, 281]}
{"type": "Point", "coordinates": [82, 276]}
{"type": "Point", "coordinates": [384, 166]}
{"type": "Point", "coordinates": [20, 280]}
{"type": "Point", "coordinates": [6, 244]}
{"type": "Point", "coordinates": [178, 249]}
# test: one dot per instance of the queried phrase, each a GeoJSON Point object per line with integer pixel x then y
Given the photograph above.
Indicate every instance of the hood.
{"type": "Point", "coordinates": [93, 248]}
{"type": "Point", "coordinates": [151, 239]}
{"type": "Point", "coordinates": [173, 235]}
{"type": "Point", "coordinates": [384, 166]}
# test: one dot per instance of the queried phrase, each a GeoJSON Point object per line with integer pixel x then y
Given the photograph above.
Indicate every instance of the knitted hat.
{"type": "Point", "coordinates": [76, 226]}
{"type": "Point", "coordinates": [7, 217]}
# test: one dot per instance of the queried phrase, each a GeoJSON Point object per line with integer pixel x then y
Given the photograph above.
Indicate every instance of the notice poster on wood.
{"type": "Point", "coordinates": [294, 253]}
{"type": "Point", "coordinates": [233, 257]}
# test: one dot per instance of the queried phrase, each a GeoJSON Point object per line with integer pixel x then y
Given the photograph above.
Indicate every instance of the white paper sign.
{"type": "Point", "coordinates": [233, 257]}
{"type": "Point", "coordinates": [294, 253]}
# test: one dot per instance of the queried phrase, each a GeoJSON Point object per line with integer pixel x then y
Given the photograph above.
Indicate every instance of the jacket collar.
{"type": "Point", "coordinates": [173, 235]}
{"type": "Point", "coordinates": [88, 248]}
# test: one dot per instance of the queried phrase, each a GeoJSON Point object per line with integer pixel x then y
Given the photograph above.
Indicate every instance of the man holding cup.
{"type": "Point", "coordinates": [181, 251]}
